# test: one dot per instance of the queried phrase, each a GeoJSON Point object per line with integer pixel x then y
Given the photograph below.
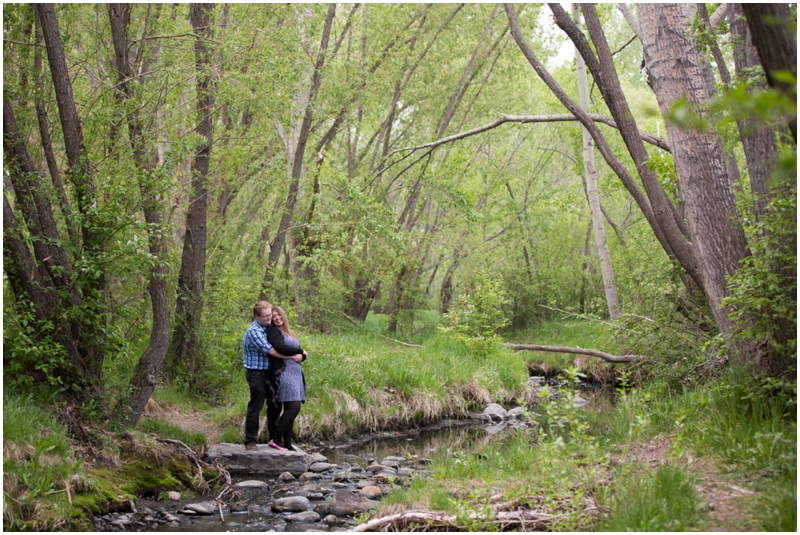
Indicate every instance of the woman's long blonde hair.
{"type": "Point", "coordinates": [285, 327]}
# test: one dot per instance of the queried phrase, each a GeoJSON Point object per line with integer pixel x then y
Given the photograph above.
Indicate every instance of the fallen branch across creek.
{"type": "Point", "coordinates": [608, 357]}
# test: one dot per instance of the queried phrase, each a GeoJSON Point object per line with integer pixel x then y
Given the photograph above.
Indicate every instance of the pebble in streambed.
{"type": "Point", "coordinates": [324, 498]}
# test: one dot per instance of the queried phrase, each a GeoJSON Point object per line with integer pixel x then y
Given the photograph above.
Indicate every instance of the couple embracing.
{"type": "Point", "coordinates": [272, 357]}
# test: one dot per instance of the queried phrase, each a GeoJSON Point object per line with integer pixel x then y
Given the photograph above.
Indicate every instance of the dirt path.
{"type": "Point", "coordinates": [726, 501]}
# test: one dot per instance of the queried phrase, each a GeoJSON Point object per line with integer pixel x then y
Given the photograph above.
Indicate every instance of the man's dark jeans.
{"type": "Point", "coordinates": [259, 389]}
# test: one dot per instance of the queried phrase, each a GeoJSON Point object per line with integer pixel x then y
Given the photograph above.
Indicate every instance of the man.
{"type": "Point", "coordinates": [257, 351]}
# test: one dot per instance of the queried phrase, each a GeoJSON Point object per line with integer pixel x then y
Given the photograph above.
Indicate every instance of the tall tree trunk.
{"type": "Point", "coordinates": [606, 268]}
{"type": "Point", "coordinates": [758, 141]}
{"type": "Point", "coordinates": [143, 381]}
{"type": "Point", "coordinates": [80, 174]}
{"type": "Point", "coordinates": [191, 281]}
{"type": "Point", "coordinates": [675, 71]}
{"type": "Point", "coordinates": [776, 41]}
{"type": "Point", "coordinates": [299, 153]}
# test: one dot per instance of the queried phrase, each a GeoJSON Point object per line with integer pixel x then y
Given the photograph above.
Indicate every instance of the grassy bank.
{"type": "Point", "coordinates": [651, 459]}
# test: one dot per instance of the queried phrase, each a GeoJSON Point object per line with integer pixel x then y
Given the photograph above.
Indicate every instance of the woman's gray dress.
{"type": "Point", "coordinates": [290, 379]}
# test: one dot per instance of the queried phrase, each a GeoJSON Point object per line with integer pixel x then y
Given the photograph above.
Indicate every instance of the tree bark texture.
{"type": "Point", "coordinates": [143, 381]}
{"type": "Point", "coordinates": [90, 345]}
{"type": "Point", "coordinates": [776, 42]}
{"type": "Point", "coordinates": [675, 71]}
{"type": "Point", "coordinates": [191, 280]}
{"type": "Point", "coordinates": [758, 141]}
{"type": "Point", "coordinates": [590, 174]}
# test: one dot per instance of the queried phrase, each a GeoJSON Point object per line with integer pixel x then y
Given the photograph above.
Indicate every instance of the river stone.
{"type": "Point", "coordinates": [286, 476]}
{"type": "Point", "coordinates": [305, 516]}
{"type": "Point", "coordinates": [375, 468]}
{"type": "Point", "coordinates": [371, 492]}
{"type": "Point", "coordinates": [265, 461]}
{"type": "Point", "coordinates": [495, 412]}
{"type": "Point", "coordinates": [320, 467]}
{"type": "Point", "coordinates": [496, 428]}
{"type": "Point", "coordinates": [516, 412]}
{"type": "Point", "coordinates": [405, 472]}
{"type": "Point", "coordinates": [174, 495]}
{"type": "Point", "coordinates": [202, 508]}
{"type": "Point", "coordinates": [424, 460]}
{"type": "Point", "coordinates": [348, 457]}
{"type": "Point", "coordinates": [390, 464]}
{"type": "Point", "coordinates": [579, 402]}
{"type": "Point", "coordinates": [348, 502]}
{"type": "Point", "coordinates": [365, 483]}
{"type": "Point", "coordinates": [319, 458]}
{"type": "Point", "coordinates": [356, 468]}
{"type": "Point", "coordinates": [292, 504]}
{"type": "Point", "coordinates": [316, 496]}
{"type": "Point", "coordinates": [339, 485]}
{"type": "Point", "coordinates": [251, 484]}
{"type": "Point", "coordinates": [331, 520]}
{"type": "Point", "coordinates": [310, 476]}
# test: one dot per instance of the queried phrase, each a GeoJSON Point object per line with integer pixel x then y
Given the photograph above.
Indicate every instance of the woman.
{"type": "Point", "coordinates": [287, 381]}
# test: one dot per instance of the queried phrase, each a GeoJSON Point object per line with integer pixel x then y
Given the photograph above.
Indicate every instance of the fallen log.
{"type": "Point", "coordinates": [608, 357]}
{"type": "Point", "coordinates": [432, 521]}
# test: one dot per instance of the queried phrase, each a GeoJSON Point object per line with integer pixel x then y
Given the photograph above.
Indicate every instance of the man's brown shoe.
{"type": "Point", "coordinates": [251, 447]}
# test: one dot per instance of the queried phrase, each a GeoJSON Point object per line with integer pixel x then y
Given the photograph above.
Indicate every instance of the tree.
{"type": "Point", "coordinates": [191, 281]}
{"type": "Point", "coordinates": [590, 176]}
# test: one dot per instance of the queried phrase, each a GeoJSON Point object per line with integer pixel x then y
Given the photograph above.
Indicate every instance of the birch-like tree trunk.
{"type": "Point", "coordinates": [675, 71]}
{"type": "Point", "coordinates": [589, 172]}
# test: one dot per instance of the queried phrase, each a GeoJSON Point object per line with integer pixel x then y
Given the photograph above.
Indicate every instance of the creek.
{"type": "Point", "coordinates": [251, 510]}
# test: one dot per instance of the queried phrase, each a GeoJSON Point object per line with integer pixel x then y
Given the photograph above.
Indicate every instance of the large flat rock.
{"type": "Point", "coordinates": [265, 461]}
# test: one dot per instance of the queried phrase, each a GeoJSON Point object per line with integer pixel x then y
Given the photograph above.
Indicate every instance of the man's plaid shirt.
{"type": "Point", "coordinates": [255, 347]}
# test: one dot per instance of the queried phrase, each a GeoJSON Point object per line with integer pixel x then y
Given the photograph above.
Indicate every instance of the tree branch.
{"type": "Point", "coordinates": [614, 359]}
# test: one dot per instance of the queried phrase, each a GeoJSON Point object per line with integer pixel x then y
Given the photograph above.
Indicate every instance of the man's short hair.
{"type": "Point", "coordinates": [260, 307]}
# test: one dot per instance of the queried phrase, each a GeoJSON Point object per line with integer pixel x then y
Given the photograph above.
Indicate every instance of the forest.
{"type": "Point", "coordinates": [447, 200]}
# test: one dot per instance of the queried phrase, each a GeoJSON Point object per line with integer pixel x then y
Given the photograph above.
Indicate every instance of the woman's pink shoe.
{"type": "Point", "coordinates": [272, 444]}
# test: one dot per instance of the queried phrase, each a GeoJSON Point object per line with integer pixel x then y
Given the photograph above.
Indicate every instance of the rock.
{"type": "Point", "coordinates": [339, 485]}
{"type": "Point", "coordinates": [331, 520]}
{"type": "Point", "coordinates": [390, 464]}
{"type": "Point", "coordinates": [319, 458]}
{"type": "Point", "coordinates": [516, 412]}
{"type": "Point", "coordinates": [310, 487]}
{"type": "Point", "coordinates": [375, 468]}
{"type": "Point", "coordinates": [393, 459]}
{"type": "Point", "coordinates": [348, 502]}
{"type": "Point", "coordinates": [171, 518]}
{"type": "Point", "coordinates": [356, 468]}
{"type": "Point", "coordinates": [315, 496]}
{"type": "Point", "coordinates": [349, 458]}
{"type": "Point", "coordinates": [305, 516]}
{"type": "Point", "coordinates": [320, 467]}
{"type": "Point", "coordinates": [579, 402]}
{"type": "Point", "coordinates": [496, 428]}
{"type": "Point", "coordinates": [252, 484]}
{"type": "Point", "coordinates": [174, 495]}
{"type": "Point", "coordinates": [495, 412]}
{"type": "Point", "coordinates": [371, 492]}
{"type": "Point", "coordinates": [310, 476]}
{"type": "Point", "coordinates": [405, 472]}
{"type": "Point", "coordinates": [292, 504]}
{"type": "Point", "coordinates": [424, 460]}
{"type": "Point", "coordinates": [202, 508]}
{"type": "Point", "coordinates": [286, 476]}
{"type": "Point", "coordinates": [365, 483]}
{"type": "Point", "coordinates": [265, 461]}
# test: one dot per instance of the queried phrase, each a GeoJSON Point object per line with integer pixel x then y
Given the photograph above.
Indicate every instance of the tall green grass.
{"type": "Point", "coordinates": [663, 501]}
{"type": "Point", "coordinates": [37, 465]}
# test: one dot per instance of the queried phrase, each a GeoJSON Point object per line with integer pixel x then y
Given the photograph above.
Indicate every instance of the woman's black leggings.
{"type": "Point", "coordinates": [284, 434]}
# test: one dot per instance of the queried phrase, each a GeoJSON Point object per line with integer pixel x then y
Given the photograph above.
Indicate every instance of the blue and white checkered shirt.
{"type": "Point", "coordinates": [255, 347]}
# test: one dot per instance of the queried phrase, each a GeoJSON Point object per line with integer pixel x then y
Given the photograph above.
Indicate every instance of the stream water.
{"type": "Point", "coordinates": [252, 509]}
